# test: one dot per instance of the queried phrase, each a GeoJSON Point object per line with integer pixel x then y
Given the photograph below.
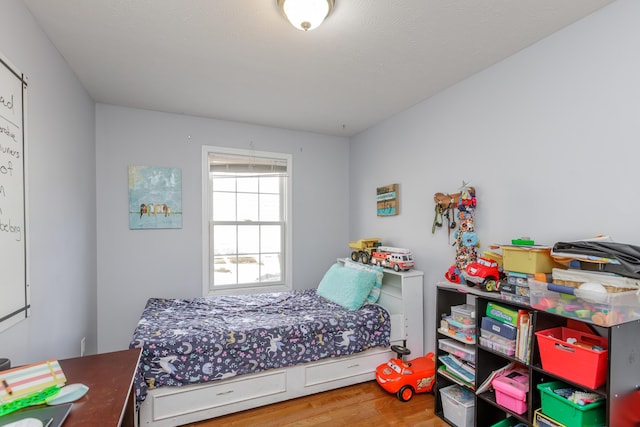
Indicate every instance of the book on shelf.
{"type": "Point", "coordinates": [456, 379]}
{"type": "Point", "coordinates": [523, 337]}
{"type": "Point", "coordinates": [457, 367]}
{"type": "Point", "coordinates": [467, 366]}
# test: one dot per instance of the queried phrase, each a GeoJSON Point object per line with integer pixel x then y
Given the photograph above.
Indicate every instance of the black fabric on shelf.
{"type": "Point", "coordinates": [628, 255]}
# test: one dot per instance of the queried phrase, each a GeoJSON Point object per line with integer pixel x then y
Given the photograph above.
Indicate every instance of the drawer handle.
{"type": "Point", "coordinates": [224, 392]}
{"type": "Point", "coordinates": [355, 365]}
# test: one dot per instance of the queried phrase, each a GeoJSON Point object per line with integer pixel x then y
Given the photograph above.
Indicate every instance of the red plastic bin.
{"type": "Point", "coordinates": [581, 362]}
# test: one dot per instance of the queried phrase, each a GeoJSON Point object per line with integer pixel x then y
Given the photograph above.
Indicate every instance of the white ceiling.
{"type": "Point", "coordinates": [241, 60]}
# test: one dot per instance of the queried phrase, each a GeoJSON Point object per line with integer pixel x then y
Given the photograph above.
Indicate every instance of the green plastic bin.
{"type": "Point", "coordinates": [509, 422]}
{"type": "Point", "coordinates": [568, 413]}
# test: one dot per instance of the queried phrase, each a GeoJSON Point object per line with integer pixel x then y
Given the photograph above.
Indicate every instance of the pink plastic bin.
{"type": "Point", "coordinates": [511, 390]}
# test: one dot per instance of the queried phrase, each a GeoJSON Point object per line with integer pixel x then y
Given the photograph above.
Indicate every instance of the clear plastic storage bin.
{"type": "Point", "coordinates": [463, 351]}
{"type": "Point", "coordinates": [465, 314]}
{"type": "Point", "coordinates": [457, 405]}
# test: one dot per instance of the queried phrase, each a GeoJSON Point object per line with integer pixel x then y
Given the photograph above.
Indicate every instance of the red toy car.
{"type": "Point", "coordinates": [406, 378]}
{"type": "Point", "coordinates": [485, 273]}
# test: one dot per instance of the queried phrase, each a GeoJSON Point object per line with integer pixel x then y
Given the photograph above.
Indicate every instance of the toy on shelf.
{"type": "Point", "coordinates": [390, 257]}
{"type": "Point", "coordinates": [404, 379]}
{"type": "Point", "coordinates": [361, 249]}
{"type": "Point", "coordinates": [466, 241]}
{"type": "Point", "coordinates": [485, 273]}
{"type": "Point", "coordinates": [370, 251]}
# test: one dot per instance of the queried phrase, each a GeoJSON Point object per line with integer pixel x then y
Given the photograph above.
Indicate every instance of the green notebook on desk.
{"type": "Point", "coordinates": [56, 413]}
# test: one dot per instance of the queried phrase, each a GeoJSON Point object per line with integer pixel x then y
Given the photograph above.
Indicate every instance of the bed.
{"type": "Point", "coordinates": [207, 357]}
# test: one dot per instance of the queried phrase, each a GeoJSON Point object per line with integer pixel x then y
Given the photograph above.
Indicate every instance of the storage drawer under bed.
{"type": "Point", "coordinates": [336, 369]}
{"type": "Point", "coordinates": [171, 401]}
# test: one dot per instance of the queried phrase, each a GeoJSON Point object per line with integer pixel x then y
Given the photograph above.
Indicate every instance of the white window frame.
{"type": "Point", "coordinates": [283, 285]}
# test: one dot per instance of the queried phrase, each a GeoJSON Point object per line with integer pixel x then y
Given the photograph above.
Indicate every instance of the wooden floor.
{"type": "Point", "coordinates": [365, 404]}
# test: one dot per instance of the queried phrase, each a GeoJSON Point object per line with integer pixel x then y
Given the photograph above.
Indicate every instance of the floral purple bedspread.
{"type": "Point", "coordinates": [186, 341]}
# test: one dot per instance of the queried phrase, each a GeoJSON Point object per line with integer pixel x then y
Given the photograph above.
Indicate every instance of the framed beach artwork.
{"type": "Point", "coordinates": [155, 197]}
{"type": "Point", "coordinates": [387, 200]}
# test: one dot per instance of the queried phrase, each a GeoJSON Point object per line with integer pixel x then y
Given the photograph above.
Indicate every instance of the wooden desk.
{"type": "Point", "coordinates": [110, 400]}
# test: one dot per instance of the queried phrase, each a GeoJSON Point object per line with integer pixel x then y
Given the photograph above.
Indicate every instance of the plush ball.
{"type": "Point", "coordinates": [470, 239]}
{"type": "Point", "coordinates": [592, 292]}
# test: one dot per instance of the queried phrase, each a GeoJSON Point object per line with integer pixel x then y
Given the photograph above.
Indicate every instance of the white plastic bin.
{"type": "Point", "coordinates": [457, 405]}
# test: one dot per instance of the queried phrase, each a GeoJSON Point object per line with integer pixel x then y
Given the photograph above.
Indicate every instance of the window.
{"type": "Point", "coordinates": [248, 232]}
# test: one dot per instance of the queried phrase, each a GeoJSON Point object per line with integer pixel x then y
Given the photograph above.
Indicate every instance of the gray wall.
{"type": "Point", "coordinates": [549, 137]}
{"type": "Point", "coordinates": [61, 196]}
{"type": "Point", "coordinates": [134, 265]}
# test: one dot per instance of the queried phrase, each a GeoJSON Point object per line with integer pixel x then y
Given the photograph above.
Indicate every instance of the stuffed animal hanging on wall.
{"type": "Point", "coordinates": [466, 239]}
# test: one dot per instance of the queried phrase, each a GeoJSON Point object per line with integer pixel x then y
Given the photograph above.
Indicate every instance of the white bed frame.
{"type": "Point", "coordinates": [401, 295]}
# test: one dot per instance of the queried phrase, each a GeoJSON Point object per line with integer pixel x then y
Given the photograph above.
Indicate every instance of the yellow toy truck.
{"type": "Point", "coordinates": [362, 249]}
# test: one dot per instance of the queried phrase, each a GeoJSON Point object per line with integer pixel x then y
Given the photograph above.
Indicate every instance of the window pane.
{"type": "Point", "coordinates": [224, 240]}
{"type": "Point", "coordinates": [224, 183]}
{"type": "Point", "coordinates": [224, 271]}
{"type": "Point", "coordinates": [248, 236]}
{"type": "Point", "coordinates": [247, 207]}
{"type": "Point", "coordinates": [270, 184]}
{"type": "Point", "coordinates": [248, 184]}
{"type": "Point", "coordinates": [271, 270]}
{"type": "Point", "coordinates": [269, 207]}
{"type": "Point", "coordinates": [270, 238]}
{"type": "Point", "coordinates": [224, 206]}
{"type": "Point", "coordinates": [248, 268]}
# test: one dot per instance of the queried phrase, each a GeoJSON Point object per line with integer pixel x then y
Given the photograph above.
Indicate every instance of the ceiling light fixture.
{"type": "Point", "coordinates": [306, 14]}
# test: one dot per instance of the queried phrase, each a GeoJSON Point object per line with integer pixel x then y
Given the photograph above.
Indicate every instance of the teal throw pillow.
{"type": "Point", "coordinates": [374, 294]}
{"type": "Point", "coordinates": [347, 287]}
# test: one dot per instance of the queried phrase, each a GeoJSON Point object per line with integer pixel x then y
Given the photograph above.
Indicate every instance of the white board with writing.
{"type": "Point", "coordinates": [14, 288]}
